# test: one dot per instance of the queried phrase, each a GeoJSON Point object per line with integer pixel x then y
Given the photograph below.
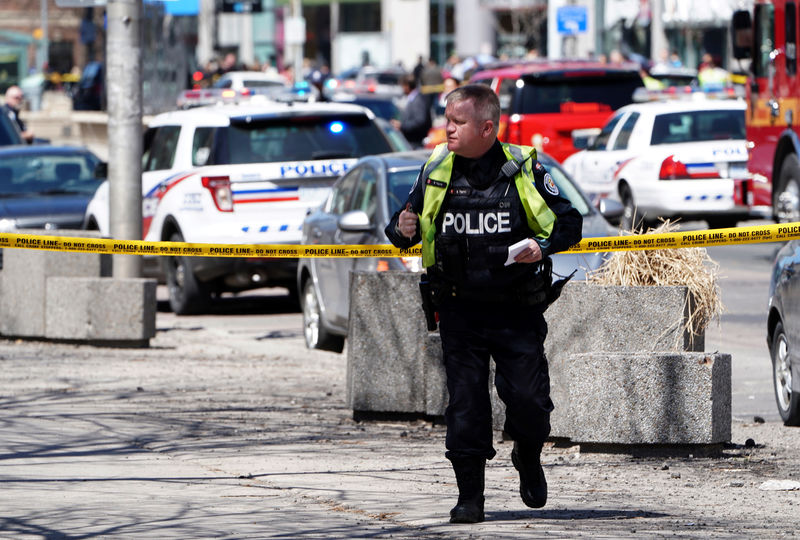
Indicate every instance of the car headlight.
{"type": "Point", "coordinates": [8, 225]}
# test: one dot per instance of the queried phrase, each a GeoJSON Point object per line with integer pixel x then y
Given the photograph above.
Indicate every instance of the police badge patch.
{"type": "Point", "coordinates": [549, 185]}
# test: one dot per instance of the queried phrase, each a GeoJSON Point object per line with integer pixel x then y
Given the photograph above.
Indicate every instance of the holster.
{"type": "Point", "coordinates": [428, 307]}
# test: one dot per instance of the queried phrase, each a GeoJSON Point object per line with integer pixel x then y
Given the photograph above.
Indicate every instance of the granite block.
{"type": "Point", "coordinates": [23, 277]}
{"type": "Point", "coordinates": [649, 398]}
{"type": "Point", "coordinates": [121, 311]}
{"type": "Point", "coordinates": [387, 344]}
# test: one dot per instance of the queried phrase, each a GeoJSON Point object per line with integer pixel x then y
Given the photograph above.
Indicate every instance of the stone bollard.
{"type": "Point", "coordinates": [24, 276]}
{"type": "Point", "coordinates": [81, 309]}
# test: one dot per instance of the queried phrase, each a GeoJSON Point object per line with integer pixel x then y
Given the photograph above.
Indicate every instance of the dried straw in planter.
{"type": "Point", "coordinates": [690, 267]}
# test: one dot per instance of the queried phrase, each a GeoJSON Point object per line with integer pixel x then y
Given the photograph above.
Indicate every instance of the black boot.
{"type": "Point", "coordinates": [470, 478]}
{"type": "Point", "coordinates": [532, 483]}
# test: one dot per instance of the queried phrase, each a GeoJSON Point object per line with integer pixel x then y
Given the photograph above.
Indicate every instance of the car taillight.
{"type": "Point", "coordinates": [672, 169]}
{"type": "Point", "coordinates": [220, 188]}
{"type": "Point", "coordinates": [514, 130]}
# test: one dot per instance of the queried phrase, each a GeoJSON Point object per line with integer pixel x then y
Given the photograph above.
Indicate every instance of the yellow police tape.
{"type": "Point", "coordinates": [632, 242]}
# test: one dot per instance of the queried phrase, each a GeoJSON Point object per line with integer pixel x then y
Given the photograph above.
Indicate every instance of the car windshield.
{"type": "Point", "coordinates": [547, 94]}
{"type": "Point", "coordinates": [695, 126]}
{"type": "Point", "coordinates": [301, 139]}
{"type": "Point", "coordinates": [399, 187]}
{"type": "Point", "coordinates": [48, 173]}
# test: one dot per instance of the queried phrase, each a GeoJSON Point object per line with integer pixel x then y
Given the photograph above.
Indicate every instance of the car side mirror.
{"type": "Point", "coordinates": [355, 221]}
{"type": "Point", "coordinates": [611, 209]}
{"type": "Point", "coordinates": [101, 170]}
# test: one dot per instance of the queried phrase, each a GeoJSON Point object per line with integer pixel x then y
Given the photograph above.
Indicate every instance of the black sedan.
{"type": "Point", "coordinates": [356, 212]}
{"type": "Point", "coordinates": [46, 187]}
{"type": "Point", "coordinates": [783, 331]}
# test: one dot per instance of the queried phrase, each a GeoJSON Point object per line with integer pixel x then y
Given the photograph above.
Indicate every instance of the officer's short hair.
{"type": "Point", "coordinates": [487, 105]}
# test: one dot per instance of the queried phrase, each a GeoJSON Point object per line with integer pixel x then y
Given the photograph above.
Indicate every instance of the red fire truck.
{"type": "Point", "coordinates": [768, 37]}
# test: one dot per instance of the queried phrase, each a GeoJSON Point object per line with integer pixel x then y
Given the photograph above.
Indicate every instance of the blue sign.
{"type": "Point", "coordinates": [571, 20]}
{"type": "Point", "coordinates": [181, 7]}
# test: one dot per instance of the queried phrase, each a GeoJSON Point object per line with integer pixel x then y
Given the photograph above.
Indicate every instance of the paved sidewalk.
{"type": "Point", "coordinates": [242, 434]}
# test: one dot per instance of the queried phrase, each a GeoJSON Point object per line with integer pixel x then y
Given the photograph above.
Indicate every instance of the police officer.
{"type": "Point", "coordinates": [473, 199]}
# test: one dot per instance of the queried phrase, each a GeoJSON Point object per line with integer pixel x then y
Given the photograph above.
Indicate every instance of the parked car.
{"type": "Point", "coordinates": [783, 331]}
{"type": "Point", "coordinates": [383, 106]}
{"type": "Point", "coordinates": [250, 79]}
{"type": "Point", "coordinates": [357, 210]}
{"type": "Point", "coordinates": [369, 79]}
{"type": "Point", "coordinates": [675, 159]}
{"type": "Point", "coordinates": [240, 174]}
{"type": "Point", "coordinates": [555, 105]}
{"type": "Point", "coordinates": [90, 93]}
{"type": "Point", "coordinates": [46, 187]}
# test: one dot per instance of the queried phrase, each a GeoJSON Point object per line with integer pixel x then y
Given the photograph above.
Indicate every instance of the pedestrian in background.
{"type": "Point", "coordinates": [415, 119]}
{"type": "Point", "coordinates": [11, 108]}
{"type": "Point", "coordinates": [450, 83]}
{"type": "Point", "coordinates": [473, 199]}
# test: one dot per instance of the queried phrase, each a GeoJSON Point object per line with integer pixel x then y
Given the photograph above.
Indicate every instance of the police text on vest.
{"type": "Point", "coordinates": [487, 222]}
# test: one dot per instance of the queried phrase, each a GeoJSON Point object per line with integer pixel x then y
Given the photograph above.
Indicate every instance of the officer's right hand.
{"type": "Point", "coordinates": [407, 222]}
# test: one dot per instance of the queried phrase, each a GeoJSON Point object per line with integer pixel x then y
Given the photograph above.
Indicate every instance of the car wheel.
{"type": "Point", "coordinates": [187, 295]}
{"type": "Point", "coordinates": [787, 198]}
{"type": "Point", "coordinates": [788, 402]}
{"type": "Point", "coordinates": [630, 219]}
{"type": "Point", "coordinates": [316, 335]}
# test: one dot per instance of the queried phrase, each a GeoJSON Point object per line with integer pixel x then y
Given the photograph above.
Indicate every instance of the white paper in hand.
{"type": "Point", "coordinates": [515, 249]}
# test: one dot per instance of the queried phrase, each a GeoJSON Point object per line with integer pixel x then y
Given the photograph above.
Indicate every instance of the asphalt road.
{"type": "Point", "coordinates": [744, 273]}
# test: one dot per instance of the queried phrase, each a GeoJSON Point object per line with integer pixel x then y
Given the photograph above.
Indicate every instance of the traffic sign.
{"type": "Point", "coordinates": [571, 20]}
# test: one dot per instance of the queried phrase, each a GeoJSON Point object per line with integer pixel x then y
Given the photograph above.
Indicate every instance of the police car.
{"type": "Point", "coordinates": [671, 159]}
{"type": "Point", "coordinates": [240, 174]}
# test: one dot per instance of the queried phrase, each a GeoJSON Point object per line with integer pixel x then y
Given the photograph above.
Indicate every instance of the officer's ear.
{"type": "Point", "coordinates": [487, 130]}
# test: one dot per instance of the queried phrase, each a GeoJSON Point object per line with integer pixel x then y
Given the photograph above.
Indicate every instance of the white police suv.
{"type": "Point", "coordinates": [671, 159]}
{"type": "Point", "coordinates": [240, 174]}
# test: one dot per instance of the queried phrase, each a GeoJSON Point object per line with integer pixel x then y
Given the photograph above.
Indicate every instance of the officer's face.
{"type": "Point", "coordinates": [467, 135]}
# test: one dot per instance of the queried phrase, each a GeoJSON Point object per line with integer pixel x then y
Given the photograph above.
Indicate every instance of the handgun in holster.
{"type": "Point", "coordinates": [427, 302]}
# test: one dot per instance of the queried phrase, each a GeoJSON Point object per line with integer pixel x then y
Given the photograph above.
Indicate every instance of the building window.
{"type": "Point", "coordinates": [360, 17]}
{"type": "Point", "coordinates": [443, 29]}
{"type": "Point", "coordinates": [791, 39]}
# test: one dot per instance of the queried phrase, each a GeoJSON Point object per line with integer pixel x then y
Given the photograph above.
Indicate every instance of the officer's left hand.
{"type": "Point", "coordinates": [531, 254]}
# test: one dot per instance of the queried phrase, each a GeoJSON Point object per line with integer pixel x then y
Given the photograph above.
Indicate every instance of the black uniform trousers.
{"type": "Point", "coordinates": [514, 337]}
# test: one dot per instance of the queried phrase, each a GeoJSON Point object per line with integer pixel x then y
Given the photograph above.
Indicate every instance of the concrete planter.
{"type": "Point", "coordinates": [394, 364]}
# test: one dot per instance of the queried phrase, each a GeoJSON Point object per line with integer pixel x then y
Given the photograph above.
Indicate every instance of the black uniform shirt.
{"type": "Point", "coordinates": [483, 171]}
